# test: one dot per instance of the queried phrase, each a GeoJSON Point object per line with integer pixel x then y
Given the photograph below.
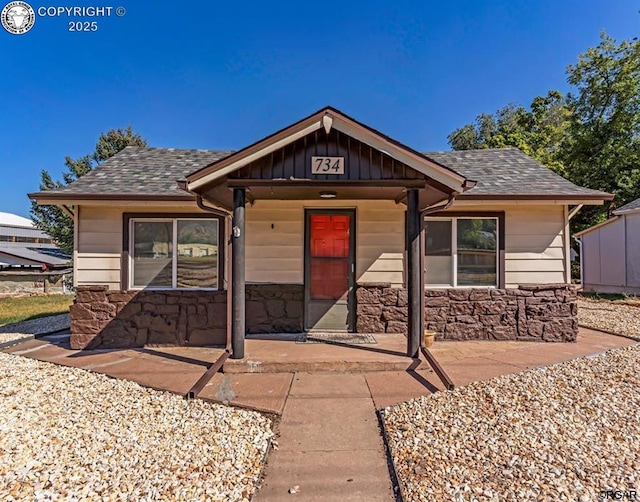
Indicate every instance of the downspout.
{"type": "Point", "coordinates": [227, 225]}
{"type": "Point", "coordinates": [578, 241]}
{"type": "Point", "coordinates": [441, 207]}
{"type": "Point", "coordinates": [442, 374]}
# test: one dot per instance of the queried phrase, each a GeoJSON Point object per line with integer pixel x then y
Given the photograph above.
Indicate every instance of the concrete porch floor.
{"type": "Point", "coordinates": [283, 354]}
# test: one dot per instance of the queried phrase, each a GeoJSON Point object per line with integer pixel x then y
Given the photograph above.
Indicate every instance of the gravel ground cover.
{"type": "Point", "coordinates": [10, 337]}
{"type": "Point", "coordinates": [561, 432]}
{"type": "Point", "coordinates": [69, 434]}
{"type": "Point", "coordinates": [26, 329]}
{"type": "Point", "coordinates": [612, 317]}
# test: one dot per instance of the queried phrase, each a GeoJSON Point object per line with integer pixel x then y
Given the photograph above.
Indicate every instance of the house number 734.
{"type": "Point", "coordinates": [327, 165]}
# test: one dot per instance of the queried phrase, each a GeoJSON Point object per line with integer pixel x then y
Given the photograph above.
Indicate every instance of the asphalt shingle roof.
{"type": "Point", "coordinates": [508, 171]}
{"type": "Point", "coordinates": [143, 171]}
{"type": "Point", "coordinates": [628, 207]}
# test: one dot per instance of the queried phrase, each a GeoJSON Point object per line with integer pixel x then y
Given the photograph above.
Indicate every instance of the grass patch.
{"type": "Point", "coordinates": [31, 307]}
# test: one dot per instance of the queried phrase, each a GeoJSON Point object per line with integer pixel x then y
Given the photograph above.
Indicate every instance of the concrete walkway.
{"type": "Point", "coordinates": [330, 447]}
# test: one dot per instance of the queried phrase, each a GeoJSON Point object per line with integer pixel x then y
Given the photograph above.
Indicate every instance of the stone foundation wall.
{"type": "Point", "coordinates": [274, 308]}
{"type": "Point", "coordinates": [120, 319]}
{"type": "Point", "coordinates": [545, 312]}
{"type": "Point", "coordinates": [381, 308]}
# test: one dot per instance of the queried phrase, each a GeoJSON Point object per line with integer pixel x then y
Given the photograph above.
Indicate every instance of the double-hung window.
{"type": "Point", "coordinates": [174, 253]}
{"type": "Point", "coordinates": [461, 251]}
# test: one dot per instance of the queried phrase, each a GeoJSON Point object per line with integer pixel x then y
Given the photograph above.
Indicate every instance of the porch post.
{"type": "Point", "coordinates": [414, 274]}
{"type": "Point", "coordinates": [237, 275]}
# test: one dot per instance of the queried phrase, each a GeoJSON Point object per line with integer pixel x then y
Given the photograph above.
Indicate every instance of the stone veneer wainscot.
{"type": "Point", "coordinates": [545, 312]}
{"type": "Point", "coordinates": [119, 319]}
{"type": "Point", "coordinates": [102, 318]}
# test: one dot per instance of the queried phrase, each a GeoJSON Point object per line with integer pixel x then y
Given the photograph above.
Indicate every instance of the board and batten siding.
{"type": "Point", "coordinates": [534, 242]}
{"type": "Point", "coordinates": [275, 240]}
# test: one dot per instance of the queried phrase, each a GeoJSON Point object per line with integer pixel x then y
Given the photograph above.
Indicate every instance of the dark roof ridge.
{"type": "Point", "coordinates": [476, 150]}
{"type": "Point", "coordinates": [173, 149]}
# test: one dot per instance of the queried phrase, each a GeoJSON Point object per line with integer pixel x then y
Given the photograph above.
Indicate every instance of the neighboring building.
{"type": "Point", "coordinates": [610, 252]}
{"type": "Point", "coordinates": [25, 248]}
{"type": "Point", "coordinates": [29, 259]}
{"type": "Point", "coordinates": [342, 229]}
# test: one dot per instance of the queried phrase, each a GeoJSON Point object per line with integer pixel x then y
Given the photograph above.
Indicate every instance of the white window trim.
{"type": "Point", "coordinates": [454, 251]}
{"type": "Point", "coordinates": [174, 254]}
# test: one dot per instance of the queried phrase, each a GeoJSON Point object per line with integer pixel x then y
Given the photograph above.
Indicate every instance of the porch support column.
{"type": "Point", "coordinates": [237, 275]}
{"type": "Point", "coordinates": [414, 274]}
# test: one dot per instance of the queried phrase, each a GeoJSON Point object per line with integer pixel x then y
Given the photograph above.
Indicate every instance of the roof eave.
{"type": "Point", "coordinates": [627, 211]}
{"type": "Point", "coordinates": [52, 198]}
{"type": "Point", "coordinates": [589, 199]}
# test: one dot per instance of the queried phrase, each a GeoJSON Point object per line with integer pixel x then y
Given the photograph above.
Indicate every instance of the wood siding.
{"type": "Point", "coordinates": [534, 242]}
{"type": "Point", "coordinates": [275, 240]}
{"type": "Point", "coordinates": [534, 249]}
{"type": "Point", "coordinates": [632, 227]}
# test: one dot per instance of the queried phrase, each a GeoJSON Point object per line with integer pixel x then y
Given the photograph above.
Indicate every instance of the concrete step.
{"type": "Point", "coordinates": [249, 365]}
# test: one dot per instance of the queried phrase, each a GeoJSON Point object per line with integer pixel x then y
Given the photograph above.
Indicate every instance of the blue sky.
{"type": "Point", "coordinates": [225, 74]}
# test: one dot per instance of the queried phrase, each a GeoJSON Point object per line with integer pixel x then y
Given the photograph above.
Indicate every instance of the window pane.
{"type": "Point", "coordinates": [438, 261]}
{"type": "Point", "coordinates": [152, 253]}
{"type": "Point", "coordinates": [477, 252]}
{"type": "Point", "coordinates": [197, 253]}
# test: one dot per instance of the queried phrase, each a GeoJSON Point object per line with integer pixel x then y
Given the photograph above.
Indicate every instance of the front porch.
{"type": "Point", "coordinates": [282, 353]}
{"type": "Point", "coordinates": [359, 200]}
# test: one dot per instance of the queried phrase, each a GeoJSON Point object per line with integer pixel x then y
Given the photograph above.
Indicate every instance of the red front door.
{"type": "Point", "coordinates": [330, 267]}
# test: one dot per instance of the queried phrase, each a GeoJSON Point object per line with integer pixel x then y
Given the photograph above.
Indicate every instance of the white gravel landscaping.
{"type": "Point", "coordinates": [562, 432]}
{"type": "Point", "coordinates": [12, 337]}
{"type": "Point", "coordinates": [612, 317]}
{"type": "Point", "coordinates": [69, 434]}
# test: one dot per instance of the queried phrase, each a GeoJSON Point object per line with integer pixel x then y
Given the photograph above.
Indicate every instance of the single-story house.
{"type": "Point", "coordinates": [610, 261]}
{"type": "Point", "coordinates": [324, 225]}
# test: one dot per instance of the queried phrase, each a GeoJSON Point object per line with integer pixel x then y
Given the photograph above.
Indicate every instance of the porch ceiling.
{"type": "Point", "coordinates": [222, 195]}
{"type": "Point", "coordinates": [311, 193]}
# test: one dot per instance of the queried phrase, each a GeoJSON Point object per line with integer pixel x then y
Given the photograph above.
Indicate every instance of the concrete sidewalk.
{"type": "Point", "coordinates": [330, 446]}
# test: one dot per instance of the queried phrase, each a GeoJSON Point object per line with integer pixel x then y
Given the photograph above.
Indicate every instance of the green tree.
{"type": "Point", "coordinates": [538, 131]}
{"type": "Point", "coordinates": [591, 136]}
{"type": "Point", "coordinates": [602, 147]}
{"type": "Point", "coordinates": [52, 219]}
